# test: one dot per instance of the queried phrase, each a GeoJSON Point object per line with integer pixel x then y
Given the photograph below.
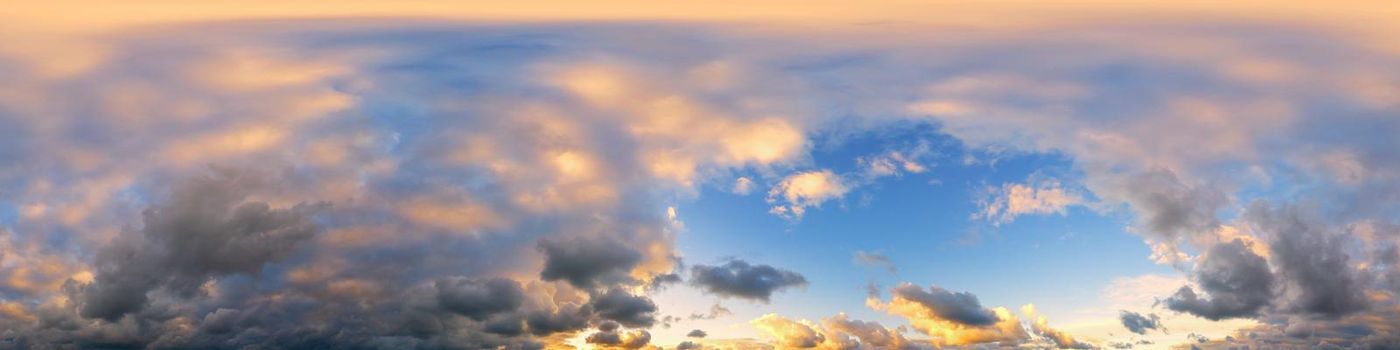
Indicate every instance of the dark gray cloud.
{"type": "Point", "coordinates": [696, 333]}
{"type": "Point", "coordinates": [587, 262]}
{"type": "Point", "coordinates": [1139, 323]}
{"type": "Point", "coordinates": [607, 338]}
{"type": "Point", "coordinates": [659, 282]}
{"type": "Point", "coordinates": [1169, 208]}
{"type": "Point", "coordinates": [963, 308]}
{"type": "Point", "coordinates": [688, 345]}
{"type": "Point", "coordinates": [623, 307]}
{"type": "Point", "coordinates": [740, 279]}
{"type": "Point", "coordinates": [1316, 271]}
{"type": "Point", "coordinates": [1387, 260]}
{"type": "Point", "coordinates": [567, 318]}
{"type": "Point", "coordinates": [609, 335]}
{"type": "Point", "coordinates": [205, 230]}
{"type": "Point", "coordinates": [1308, 272]}
{"type": "Point", "coordinates": [1238, 282]}
{"type": "Point", "coordinates": [1376, 330]}
{"type": "Point", "coordinates": [1198, 338]}
{"type": "Point", "coordinates": [479, 299]}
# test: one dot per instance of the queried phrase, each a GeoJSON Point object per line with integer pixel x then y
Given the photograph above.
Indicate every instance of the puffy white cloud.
{"type": "Point", "coordinates": [797, 192]}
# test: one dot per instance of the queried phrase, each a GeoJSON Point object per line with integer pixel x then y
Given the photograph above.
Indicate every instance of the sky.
{"type": "Point", "coordinates": [700, 175]}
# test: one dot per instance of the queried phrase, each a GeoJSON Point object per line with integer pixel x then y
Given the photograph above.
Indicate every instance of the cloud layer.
{"type": "Point", "coordinates": [418, 184]}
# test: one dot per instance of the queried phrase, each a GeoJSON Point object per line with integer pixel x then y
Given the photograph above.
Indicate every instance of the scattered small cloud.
{"type": "Point", "coordinates": [874, 260]}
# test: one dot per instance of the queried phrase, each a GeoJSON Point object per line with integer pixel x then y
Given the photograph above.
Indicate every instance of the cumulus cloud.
{"type": "Point", "coordinates": [959, 319]}
{"type": "Point", "coordinates": [206, 230]}
{"type": "Point", "coordinates": [739, 279]}
{"type": "Point", "coordinates": [836, 332]}
{"type": "Point", "coordinates": [951, 318]}
{"type": "Point", "coordinates": [696, 333]}
{"type": "Point", "coordinates": [1181, 168]}
{"type": "Point", "coordinates": [409, 254]}
{"type": "Point", "coordinates": [960, 308]}
{"type": "Point", "coordinates": [625, 308]}
{"type": "Point", "coordinates": [1042, 328]}
{"type": "Point", "coordinates": [870, 334]}
{"type": "Point", "coordinates": [1168, 207]}
{"type": "Point", "coordinates": [1377, 331]}
{"type": "Point", "coordinates": [563, 318]}
{"type": "Point", "coordinates": [610, 336]}
{"type": "Point", "coordinates": [789, 333]}
{"type": "Point", "coordinates": [1238, 282]}
{"type": "Point", "coordinates": [1306, 272]}
{"type": "Point", "coordinates": [798, 192]}
{"type": "Point", "coordinates": [1139, 323]}
{"type": "Point", "coordinates": [1318, 274]}
{"type": "Point", "coordinates": [479, 299]}
{"type": "Point", "coordinates": [1012, 200]}
{"type": "Point", "coordinates": [587, 262]}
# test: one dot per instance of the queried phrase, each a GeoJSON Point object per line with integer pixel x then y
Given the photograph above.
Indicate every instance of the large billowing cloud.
{"type": "Point", "coordinates": [205, 231]}
{"type": "Point", "coordinates": [443, 185]}
{"type": "Point", "coordinates": [523, 225]}
{"type": "Point", "coordinates": [586, 263]}
{"type": "Point", "coordinates": [1238, 282]}
{"type": "Point", "coordinates": [479, 299]}
{"type": "Point", "coordinates": [1319, 276]}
